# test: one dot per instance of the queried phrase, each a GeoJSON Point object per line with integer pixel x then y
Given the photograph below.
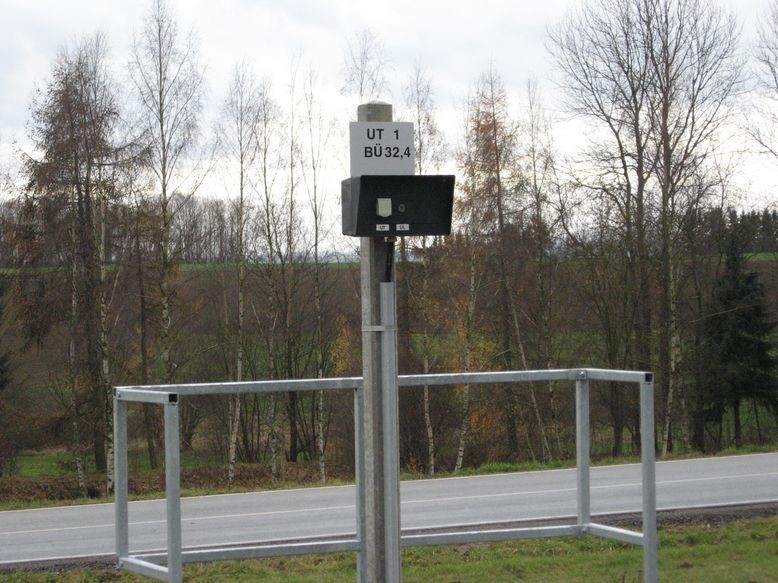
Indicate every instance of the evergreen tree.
{"type": "Point", "coordinates": [737, 333]}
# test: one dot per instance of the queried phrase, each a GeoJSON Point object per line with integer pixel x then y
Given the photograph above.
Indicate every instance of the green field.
{"type": "Point", "coordinates": [742, 551]}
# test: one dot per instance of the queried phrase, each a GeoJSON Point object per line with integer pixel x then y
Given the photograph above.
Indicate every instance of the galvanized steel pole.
{"type": "Point", "coordinates": [648, 471]}
{"type": "Point", "coordinates": [173, 492]}
{"type": "Point", "coordinates": [377, 524]}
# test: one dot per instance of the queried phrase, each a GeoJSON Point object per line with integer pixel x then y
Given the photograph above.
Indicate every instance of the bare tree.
{"type": "Point", "coordinates": [606, 69]}
{"type": "Point", "coordinates": [421, 109]}
{"type": "Point", "coordinates": [288, 285]}
{"type": "Point", "coordinates": [318, 131]}
{"type": "Point", "coordinates": [658, 76]}
{"type": "Point", "coordinates": [269, 221]}
{"type": "Point", "coordinates": [472, 217]}
{"type": "Point", "coordinates": [168, 81]}
{"type": "Point", "coordinates": [239, 132]}
{"type": "Point", "coordinates": [763, 127]}
{"type": "Point", "coordinates": [430, 152]}
{"type": "Point", "coordinates": [542, 186]}
{"type": "Point", "coordinates": [695, 73]}
{"type": "Point", "coordinates": [364, 66]}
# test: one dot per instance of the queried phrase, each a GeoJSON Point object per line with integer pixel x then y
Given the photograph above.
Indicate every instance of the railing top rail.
{"type": "Point", "coordinates": [156, 393]}
{"type": "Point", "coordinates": [621, 376]}
{"type": "Point", "coordinates": [474, 378]}
{"type": "Point", "coordinates": [270, 386]}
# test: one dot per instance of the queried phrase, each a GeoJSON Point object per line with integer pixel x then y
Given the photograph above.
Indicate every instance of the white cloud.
{"type": "Point", "coordinates": [455, 40]}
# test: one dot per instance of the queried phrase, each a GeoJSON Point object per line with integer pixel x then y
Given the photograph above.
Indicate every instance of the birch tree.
{"type": "Point", "coordinates": [269, 220]}
{"type": "Point", "coordinates": [430, 151]}
{"type": "Point", "coordinates": [364, 66]}
{"type": "Point", "coordinates": [241, 112]}
{"type": "Point", "coordinates": [318, 129]}
{"type": "Point", "coordinates": [541, 185]}
{"type": "Point", "coordinates": [168, 82]}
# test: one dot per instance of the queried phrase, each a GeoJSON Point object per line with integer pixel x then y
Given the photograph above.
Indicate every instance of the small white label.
{"type": "Point", "coordinates": [384, 207]}
{"type": "Point", "coordinates": [382, 227]}
{"type": "Point", "coordinates": [403, 227]}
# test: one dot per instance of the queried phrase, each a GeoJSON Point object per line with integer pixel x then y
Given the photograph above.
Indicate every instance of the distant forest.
{"type": "Point", "coordinates": [118, 268]}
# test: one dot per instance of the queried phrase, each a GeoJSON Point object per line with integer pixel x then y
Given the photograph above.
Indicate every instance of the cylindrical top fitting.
{"type": "Point", "coordinates": [374, 111]}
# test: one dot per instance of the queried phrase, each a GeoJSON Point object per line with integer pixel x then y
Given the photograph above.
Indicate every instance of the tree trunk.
{"type": "Point", "coordinates": [320, 409]}
{"type": "Point", "coordinates": [150, 421]}
{"type": "Point", "coordinates": [105, 366]}
{"type": "Point", "coordinates": [77, 449]}
{"type": "Point", "coordinates": [234, 423]}
{"type": "Point", "coordinates": [78, 453]}
{"type": "Point", "coordinates": [673, 356]}
{"type": "Point", "coordinates": [472, 293]}
{"type": "Point", "coordinates": [276, 473]}
{"type": "Point", "coordinates": [547, 456]}
{"type": "Point", "coordinates": [737, 423]}
{"type": "Point", "coordinates": [464, 428]}
{"type": "Point", "coordinates": [235, 405]}
{"type": "Point", "coordinates": [430, 432]}
{"type": "Point", "coordinates": [617, 415]}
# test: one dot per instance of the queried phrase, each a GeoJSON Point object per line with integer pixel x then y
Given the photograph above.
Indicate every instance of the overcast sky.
{"type": "Point", "coordinates": [455, 40]}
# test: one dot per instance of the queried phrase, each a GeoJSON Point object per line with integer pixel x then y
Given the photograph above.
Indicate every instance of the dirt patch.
{"type": "Point", "coordinates": [712, 516]}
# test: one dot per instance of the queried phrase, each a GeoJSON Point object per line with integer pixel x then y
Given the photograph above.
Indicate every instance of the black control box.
{"type": "Point", "coordinates": [404, 205]}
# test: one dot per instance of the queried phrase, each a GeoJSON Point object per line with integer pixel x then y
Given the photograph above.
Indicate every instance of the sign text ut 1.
{"type": "Point", "coordinates": [381, 148]}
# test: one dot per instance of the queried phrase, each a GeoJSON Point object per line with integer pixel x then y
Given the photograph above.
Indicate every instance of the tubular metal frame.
{"type": "Point", "coordinates": [168, 396]}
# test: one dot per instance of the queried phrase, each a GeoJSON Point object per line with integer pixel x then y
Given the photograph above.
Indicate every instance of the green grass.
{"type": "Point", "coordinates": [52, 464]}
{"type": "Point", "coordinates": [767, 256]}
{"type": "Point", "coordinates": [745, 550]}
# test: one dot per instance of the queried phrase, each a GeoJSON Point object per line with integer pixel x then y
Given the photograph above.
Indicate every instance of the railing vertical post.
{"type": "Point", "coordinates": [359, 478]}
{"type": "Point", "coordinates": [173, 490]}
{"type": "Point", "coordinates": [121, 511]}
{"type": "Point", "coordinates": [582, 449]}
{"type": "Point", "coordinates": [648, 471]}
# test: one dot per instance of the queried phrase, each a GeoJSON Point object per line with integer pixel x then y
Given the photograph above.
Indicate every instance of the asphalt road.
{"type": "Point", "coordinates": [87, 531]}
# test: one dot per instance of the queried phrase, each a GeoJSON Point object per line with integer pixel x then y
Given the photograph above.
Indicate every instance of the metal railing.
{"type": "Point", "coordinates": [168, 397]}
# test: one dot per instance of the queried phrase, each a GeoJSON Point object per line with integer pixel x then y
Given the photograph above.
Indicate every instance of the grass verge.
{"type": "Point", "coordinates": [744, 550]}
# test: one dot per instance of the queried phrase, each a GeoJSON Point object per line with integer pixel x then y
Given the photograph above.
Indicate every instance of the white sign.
{"type": "Point", "coordinates": [379, 147]}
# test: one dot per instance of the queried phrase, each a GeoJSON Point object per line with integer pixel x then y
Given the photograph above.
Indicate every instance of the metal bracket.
{"type": "Point", "coordinates": [379, 328]}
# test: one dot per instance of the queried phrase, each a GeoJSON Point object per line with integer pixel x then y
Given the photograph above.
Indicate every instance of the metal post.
{"type": "Point", "coordinates": [648, 471]}
{"type": "Point", "coordinates": [359, 478]}
{"type": "Point", "coordinates": [372, 538]}
{"type": "Point", "coordinates": [121, 511]}
{"type": "Point", "coordinates": [391, 433]}
{"type": "Point", "coordinates": [173, 490]}
{"type": "Point", "coordinates": [582, 449]}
